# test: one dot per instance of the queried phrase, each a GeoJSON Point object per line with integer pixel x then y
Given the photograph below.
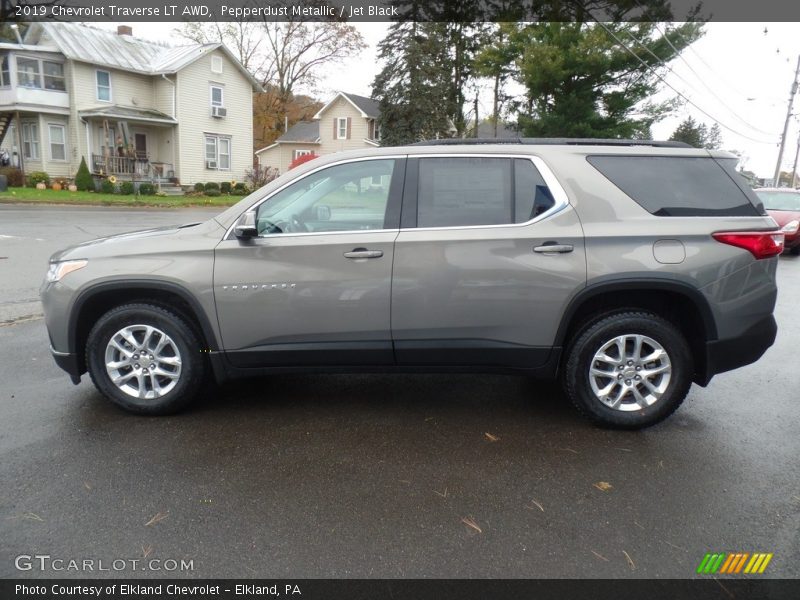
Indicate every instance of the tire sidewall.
{"type": "Point", "coordinates": [582, 354]}
{"type": "Point", "coordinates": [175, 328]}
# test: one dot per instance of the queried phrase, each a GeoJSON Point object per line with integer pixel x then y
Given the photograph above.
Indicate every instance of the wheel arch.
{"type": "Point", "coordinates": [98, 299]}
{"type": "Point", "coordinates": [678, 302]}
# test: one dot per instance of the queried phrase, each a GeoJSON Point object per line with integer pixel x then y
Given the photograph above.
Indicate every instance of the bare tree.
{"type": "Point", "coordinates": [285, 56]}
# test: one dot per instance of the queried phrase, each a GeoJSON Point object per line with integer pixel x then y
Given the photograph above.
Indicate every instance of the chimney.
{"type": "Point", "coordinates": [124, 30]}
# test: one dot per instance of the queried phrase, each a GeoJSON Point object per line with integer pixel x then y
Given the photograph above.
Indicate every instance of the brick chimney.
{"type": "Point", "coordinates": [124, 30]}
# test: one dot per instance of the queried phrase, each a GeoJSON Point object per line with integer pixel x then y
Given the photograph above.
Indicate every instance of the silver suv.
{"type": "Point", "coordinates": [627, 269]}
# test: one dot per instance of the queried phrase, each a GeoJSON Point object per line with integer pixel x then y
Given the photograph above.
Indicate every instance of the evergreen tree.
{"type": "Point", "coordinates": [83, 178]}
{"type": "Point", "coordinates": [412, 86]}
{"type": "Point", "coordinates": [594, 80]}
{"type": "Point", "coordinates": [698, 135]}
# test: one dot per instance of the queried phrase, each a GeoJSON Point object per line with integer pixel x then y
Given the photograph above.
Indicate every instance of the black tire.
{"type": "Point", "coordinates": [186, 343]}
{"type": "Point", "coordinates": [580, 357]}
{"type": "Point", "coordinates": [794, 251]}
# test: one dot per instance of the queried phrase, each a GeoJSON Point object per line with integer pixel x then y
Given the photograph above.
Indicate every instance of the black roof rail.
{"type": "Point", "coordinates": [552, 142]}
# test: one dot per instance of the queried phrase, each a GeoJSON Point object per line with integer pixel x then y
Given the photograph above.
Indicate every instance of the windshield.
{"type": "Point", "coordinates": [788, 200]}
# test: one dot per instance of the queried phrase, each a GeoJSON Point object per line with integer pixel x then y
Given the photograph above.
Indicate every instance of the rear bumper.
{"type": "Point", "coordinates": [69, 362]}
{"type": "Point", "coordinates": [732, 353]}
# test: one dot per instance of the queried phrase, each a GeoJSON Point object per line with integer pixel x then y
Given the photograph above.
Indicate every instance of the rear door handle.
{"type": "Point", "coordinates": [363, 253]}
{"type": "Point", "coordinates": [553, 248]}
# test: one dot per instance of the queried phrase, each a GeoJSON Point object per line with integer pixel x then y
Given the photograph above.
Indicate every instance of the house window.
{"type": "Point", "coordinates": [298, 153]}
{"type": "Point", "coordinates": [28, 73]}
{"type": "Point", "coordinates": [216, 64]}
{"type": "Point", "coordinates": [5, 74]}
{"type": "Point", "coordinates": [218, 153]}
{"type": "Point", "coordinates": [53, 76]}
{"type": "Point", "coordinates": [35, 73]}
{"type": "Point", "coordinates": [58, 142]}
{"type": "Point", "coordinates": [341, 128]}
{"type": "Point", "coordinates": [30, 141]}
{"type": "Point", "coordinates": [217, 98]}
{"type": "Point", "coordinates": [103, 85]}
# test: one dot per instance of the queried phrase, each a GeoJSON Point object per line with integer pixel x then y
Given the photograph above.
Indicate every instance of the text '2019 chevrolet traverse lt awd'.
{"type": "Point", "coordinates": [627, 269]}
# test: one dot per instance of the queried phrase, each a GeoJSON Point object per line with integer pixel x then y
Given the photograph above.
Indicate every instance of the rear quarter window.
{"type": "Point", "coordinates": [679, 186]}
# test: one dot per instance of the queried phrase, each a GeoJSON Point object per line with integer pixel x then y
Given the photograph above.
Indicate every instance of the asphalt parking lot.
{"type": "Point", "coordinates": [381, 475]}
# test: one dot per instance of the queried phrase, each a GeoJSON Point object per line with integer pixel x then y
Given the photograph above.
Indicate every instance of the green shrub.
{"type": "Point", "coordinates": [13, 175]}
{"type": "Point", "coordinates": [147, 189]}
{"type": "Point", "coordinates": [107, 187]}
{"type": "Point", "coordinates": [35, 177]}
{"type": "Point", "coordinates": [240, 188]}
{"type": "Point", "coordinates": [199, 187]}
{"type": "Point", "coordinates": [126, 188]}
{"type": "Point", "coordinates": [212, 192]}
{"type": "Point", "coordinates": [211, 185]}
{"type": "Point", "coordinates": [83, 178]}
{"type": "Point", "coordinates": [225, 187]}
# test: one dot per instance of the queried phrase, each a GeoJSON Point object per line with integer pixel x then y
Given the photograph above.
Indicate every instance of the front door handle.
{"type": "Point", "coordinates": [553, 248]}
{"type": "Point", "coordinates": [363, 253]}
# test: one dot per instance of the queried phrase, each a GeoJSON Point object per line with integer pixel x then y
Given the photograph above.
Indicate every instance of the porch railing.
{"type": "Point", "coordinates": [133, 167]}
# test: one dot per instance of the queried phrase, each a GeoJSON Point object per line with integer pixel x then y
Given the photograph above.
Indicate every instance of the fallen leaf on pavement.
{"type": "Point", "coordinates": [630, 560]}
{"type": "Point", "coordinates": [158, 517]}
{"type": "Point", "coordinates": [469, 522]}
{"type": "Point", "coordinates": [603, 486]}
{"type": "Point", "coordinates": [490, 437]}
{"type": "Point", "coordinates": [598, 555]}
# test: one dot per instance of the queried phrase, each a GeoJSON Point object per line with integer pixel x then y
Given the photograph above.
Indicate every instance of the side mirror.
{"type": "Point", "coordinates": [322, 212]}
{"type": "Point", "coordinates": [246, 226]}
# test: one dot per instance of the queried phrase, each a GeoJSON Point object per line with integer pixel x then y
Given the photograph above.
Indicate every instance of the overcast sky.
{"type": "Point", "coordinates": [737, 74]}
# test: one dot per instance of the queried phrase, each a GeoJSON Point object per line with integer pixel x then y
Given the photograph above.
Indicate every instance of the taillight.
{"type": "Point", "coordinates": [761, 244]}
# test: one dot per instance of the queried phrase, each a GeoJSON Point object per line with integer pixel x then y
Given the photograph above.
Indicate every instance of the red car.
{"type": "Point", "coordinates": [783, 205]}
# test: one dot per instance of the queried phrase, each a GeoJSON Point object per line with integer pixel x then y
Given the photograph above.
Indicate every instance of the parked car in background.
{"type": "Point", "coordinates": [783, 205]}
{"type": "Point", "coordinates": [578, 259]}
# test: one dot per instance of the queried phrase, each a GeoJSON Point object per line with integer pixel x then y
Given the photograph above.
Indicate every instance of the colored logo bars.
{"type": "Point", "coordinates": [734, 563]}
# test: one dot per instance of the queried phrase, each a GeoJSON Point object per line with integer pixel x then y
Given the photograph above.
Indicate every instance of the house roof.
{"type": "Point", "coordinates": [369, 108]}
{"type": "Point", "coordinates": [106, 48]}
{"type": "Point", "coordinates": [303, 132]}
{"type": "Point", "coordinates": [129, 113]}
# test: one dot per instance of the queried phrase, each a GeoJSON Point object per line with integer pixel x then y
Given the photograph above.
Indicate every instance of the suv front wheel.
{"type": "Point", "coordinates": [145, 359]}
{"type": "Point", "coordinates": [628, 370]}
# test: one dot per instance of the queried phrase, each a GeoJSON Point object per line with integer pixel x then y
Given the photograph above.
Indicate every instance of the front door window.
{"type": "Point", "coordinates": [347, 197]}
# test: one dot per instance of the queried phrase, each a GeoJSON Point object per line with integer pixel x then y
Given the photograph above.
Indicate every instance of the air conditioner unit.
{"type": "Point", "coordinates": [211, 164]}
{"type": "Point", "coordinates": [218, 111]}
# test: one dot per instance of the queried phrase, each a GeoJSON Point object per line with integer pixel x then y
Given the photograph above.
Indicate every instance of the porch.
{"type": "Point", "coordinates": [131, 144]}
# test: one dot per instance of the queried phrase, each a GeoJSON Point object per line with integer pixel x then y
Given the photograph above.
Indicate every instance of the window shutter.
{"type": "Point", "coordinates": [349, 120]}
{"type": "Point", "coordinates": [335, 128]}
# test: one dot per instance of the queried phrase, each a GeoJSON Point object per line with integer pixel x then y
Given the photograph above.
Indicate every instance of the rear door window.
{"type": "Point", "coordinates": [470, 191]}
{"type": "Point", "coordinates": [679, 186]}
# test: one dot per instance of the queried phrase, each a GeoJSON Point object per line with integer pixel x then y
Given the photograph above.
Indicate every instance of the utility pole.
{"type": "Point", "coordinates": [794, 168]}
{"type": "Point", "coordinates": [792, 94]}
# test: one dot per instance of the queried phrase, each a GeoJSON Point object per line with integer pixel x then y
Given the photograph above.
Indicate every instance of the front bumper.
{"type": "Point", "coordinates": [69, 362]}
{"type": "Point", "coordinates": [732, 353]}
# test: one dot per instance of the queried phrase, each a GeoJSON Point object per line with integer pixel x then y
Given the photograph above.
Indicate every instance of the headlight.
{"type": "Point", "coordinates": [791, 227]}
{"type": "Point", "coordinates": [59, 270]}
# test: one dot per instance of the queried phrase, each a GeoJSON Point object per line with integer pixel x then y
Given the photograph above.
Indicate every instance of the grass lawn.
{"type": "Point", "coordinates": [34, 196]}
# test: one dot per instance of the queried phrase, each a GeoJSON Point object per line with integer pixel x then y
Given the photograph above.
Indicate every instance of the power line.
{"type": "Point", "coordinates": [665, 82]}
{"type": "Point", "coordinates": [700, 79]}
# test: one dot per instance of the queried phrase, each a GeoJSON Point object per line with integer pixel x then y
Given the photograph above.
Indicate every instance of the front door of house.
{"type": "Point", "coordinates": [140, 142]}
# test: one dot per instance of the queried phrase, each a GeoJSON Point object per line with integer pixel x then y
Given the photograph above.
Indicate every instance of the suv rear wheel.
{"type": "Point", "coordinates": [145, 359]}
{"type": "Point", "coordinates": [628, 370]}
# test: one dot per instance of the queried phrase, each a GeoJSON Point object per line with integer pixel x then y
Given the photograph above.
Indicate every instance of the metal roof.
{"type": "Point", "coordinates": [107, 48]}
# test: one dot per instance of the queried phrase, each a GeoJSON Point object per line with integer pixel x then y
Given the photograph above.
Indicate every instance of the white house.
{"type": "Point", "coordinates": [347, 122]}
{"type": "Point", "coordinates": [133, 108]}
